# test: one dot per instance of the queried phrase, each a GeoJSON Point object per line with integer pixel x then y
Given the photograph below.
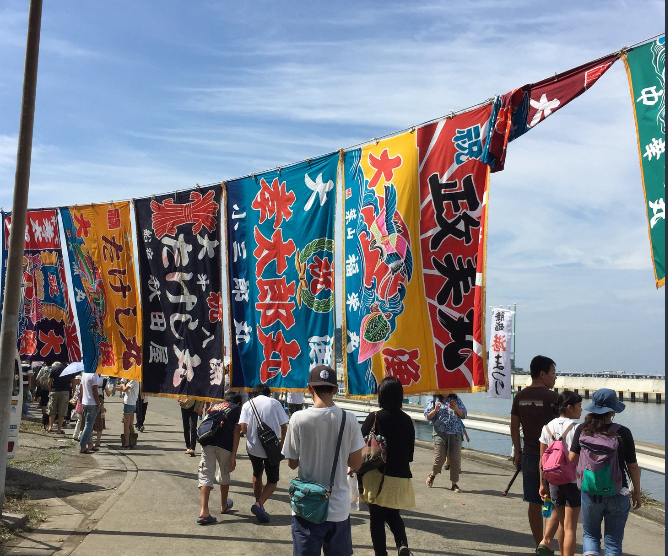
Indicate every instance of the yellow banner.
{"type": "Point", "coordinates": [99, 242]}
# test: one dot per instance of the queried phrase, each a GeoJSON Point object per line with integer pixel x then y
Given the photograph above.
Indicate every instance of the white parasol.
{"type": "Point", "coordinates": [73, 368]}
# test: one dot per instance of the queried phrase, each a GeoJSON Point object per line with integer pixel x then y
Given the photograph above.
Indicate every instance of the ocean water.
{"type": "Point", "coordinates": [646, 421]}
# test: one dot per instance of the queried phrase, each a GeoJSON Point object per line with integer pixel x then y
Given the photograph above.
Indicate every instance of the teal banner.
{"type": "Point", "coordinates": [646, 69]}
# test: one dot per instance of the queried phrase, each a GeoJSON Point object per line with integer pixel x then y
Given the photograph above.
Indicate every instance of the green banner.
{"type": "Point", "coordinates": [645, 66]}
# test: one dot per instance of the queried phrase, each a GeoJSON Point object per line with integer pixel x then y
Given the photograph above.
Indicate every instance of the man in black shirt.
{"type": "Point", "coordinates": [532, 409]}
{"type": "Point", "coordinates": [59, 396]}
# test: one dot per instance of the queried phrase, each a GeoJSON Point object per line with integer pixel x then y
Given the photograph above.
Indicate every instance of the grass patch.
{"type": "Point", "coordinates": [33, 427]}
{"type": "Point", "coordinates": [647, 499]}
{"type": "Point", "coordinates": [52, 457]}
{"type": "Point", "coordinates": [21, 505]}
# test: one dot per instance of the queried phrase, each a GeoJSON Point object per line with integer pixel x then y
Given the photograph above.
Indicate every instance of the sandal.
{"type": "Point", "coordinates": [455, 488]}
{"type": "Point", "coordinates": [430, 480]}
{"type": "Point", "coordinates": [543, 550]}
{"type": "Point", "coordinates": [86, 451]}
{"type": "Point", "coordinates": [228, 508]}
{"type": "Point", "coordinates": [208, 520]}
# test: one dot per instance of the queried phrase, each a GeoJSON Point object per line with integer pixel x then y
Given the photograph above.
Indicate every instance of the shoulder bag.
{"type": "Point", "coordinates": [268, 439]}
{"type": "Point", "coordinates": [310, 500]}
{"type": "Point", "coordinates": [374, 452]}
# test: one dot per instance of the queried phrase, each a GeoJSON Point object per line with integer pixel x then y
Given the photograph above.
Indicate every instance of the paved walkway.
{"type": "Point", "coordinates": [154, 511]}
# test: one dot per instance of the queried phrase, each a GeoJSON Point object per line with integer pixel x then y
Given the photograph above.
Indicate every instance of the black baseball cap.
{"type": "Point", "coordinates": [322, 375]}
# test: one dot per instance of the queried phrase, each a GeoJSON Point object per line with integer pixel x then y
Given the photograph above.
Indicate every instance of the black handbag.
{"type": "Point", "coordinates": [268, 439]}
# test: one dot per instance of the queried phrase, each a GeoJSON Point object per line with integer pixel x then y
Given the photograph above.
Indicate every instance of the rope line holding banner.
{"type": "Point", "coordinates": [375, 140]}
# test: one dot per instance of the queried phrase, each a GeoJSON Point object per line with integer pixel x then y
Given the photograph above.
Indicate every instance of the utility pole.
{"type": "Point", "coordinates": [10, 310]}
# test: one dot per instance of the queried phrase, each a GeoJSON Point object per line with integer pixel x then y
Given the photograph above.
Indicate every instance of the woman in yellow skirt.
{"type": "Point", "coordinates": [389, 489]}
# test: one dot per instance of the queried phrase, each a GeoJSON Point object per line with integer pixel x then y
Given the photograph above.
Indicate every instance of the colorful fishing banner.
{"type": "Point", "coordinates": [413, 217]}
{"type": "Point", "coordinates": [99, 245]}
{"type": "Point", "coordinates": [46, 324]}
{"type": "Point", "coordinates": [280, 229]}
{"type": "Point", "coordinates": [646, 69]}
{"type": "Point", "coordinates": [500, 354]}
{"type": "Point", "coordinates": [524, 108]}
{"type": "Point", "coordinates": [180, 268]}
{"type": "Point", "coordinates": [453, 203]}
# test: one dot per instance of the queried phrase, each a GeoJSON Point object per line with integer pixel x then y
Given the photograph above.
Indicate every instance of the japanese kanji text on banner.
{"type": "Point", "coordinates": [500, 348]}
{"type": "Point", "coordinates": [46, 324]}
{"type": "Point", "coordinates": [99, 244]}
{"type": "Point", "coordinates": [413, 206]}
{"type": "Point", "coordinates": [646, 69]}
{"type": "Point", "coordinates": [281, 254]}
{"type": "Point", "coordinates": [181, 275]}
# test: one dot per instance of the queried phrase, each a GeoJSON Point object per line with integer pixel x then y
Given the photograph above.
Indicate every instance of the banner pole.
{"type": "Point", "coordinates": [10, 311]}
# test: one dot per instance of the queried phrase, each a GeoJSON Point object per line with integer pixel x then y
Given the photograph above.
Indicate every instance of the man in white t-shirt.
{"type": "Point", "coordinates": [90, 400]}
{"type": "Point", "coordinates": [271, 413]}
{"type": "Point", "coordinates": [310, 445]}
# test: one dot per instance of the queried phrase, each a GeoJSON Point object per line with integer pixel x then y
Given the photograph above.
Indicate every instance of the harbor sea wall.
{"type": "Point", "coordinates": [647, 390]}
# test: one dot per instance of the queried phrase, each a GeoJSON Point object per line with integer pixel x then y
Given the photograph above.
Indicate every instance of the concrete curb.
{"type": "Point", "coordinates": [13, 521]}
{"type": "Point", "coordinates": [88, 524]}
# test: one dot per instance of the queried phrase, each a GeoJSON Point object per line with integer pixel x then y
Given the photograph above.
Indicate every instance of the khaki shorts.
{"type": "Point", "coordinates": [58, 402]}
{"type": "Point", "coordinates": [207, 466]}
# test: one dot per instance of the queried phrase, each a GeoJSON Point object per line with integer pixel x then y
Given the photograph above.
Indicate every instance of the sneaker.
{"type": "Point", "coordinates": [125, 447]}
{"type": "Point", "coordinates": [141, 429]}
{"type": "Point", "coordinates": [403, 551]}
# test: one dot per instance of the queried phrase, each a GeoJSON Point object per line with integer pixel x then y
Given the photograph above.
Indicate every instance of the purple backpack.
{"type": "Point", "coordinates": [557, 468]}
{"type": "Point", "coordinates": [598, 470]}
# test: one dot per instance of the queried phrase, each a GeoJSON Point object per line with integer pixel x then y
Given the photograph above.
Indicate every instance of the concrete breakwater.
{"type": "Point", "coordinates": [647, 390]}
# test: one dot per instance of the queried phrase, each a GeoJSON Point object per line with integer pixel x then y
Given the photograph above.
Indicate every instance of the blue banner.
{"type": "Point", "coordinates": [280, 229]}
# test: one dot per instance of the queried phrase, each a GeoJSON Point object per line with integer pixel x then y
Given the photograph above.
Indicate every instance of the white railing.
{"type": "Point", "coordinates": [650, 456]}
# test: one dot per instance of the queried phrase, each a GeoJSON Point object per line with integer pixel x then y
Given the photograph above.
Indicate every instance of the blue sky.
{"type": "Point", "coordinates": [140, 98]}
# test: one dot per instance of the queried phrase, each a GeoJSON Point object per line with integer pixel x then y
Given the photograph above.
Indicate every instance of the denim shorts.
{"type": "Point", "coordinates": [332, 537]}
{"type": "Point", "coordinates": [128, 409]}
{"type": "Point", "coordinates": [531, 478]}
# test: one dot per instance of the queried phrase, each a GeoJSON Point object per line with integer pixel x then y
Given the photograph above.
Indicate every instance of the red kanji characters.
{"type": "Point", "coordinates": [274, 201]}
{"type": "Point", "coordinates": [53, 285]}
{"type": "Point", "coordinates": [125, 311]}
{"type": "Point", "coordinates": [167, 216]}
{"type": "Point", "coordinates": [499, 342]}
{"type": "Point", "coordinates": [82, 223]}
{"type": "Point", "coordinates": [112, 249]}
{"type": "Point", "coordinates": [275, 343]}
{"type": "Point", "coordinates": [274, 302]}
{"type": "Point", "coordinates": [384, 167]}
{"type": "Point", "coordinates": [28, 343]}
{"type": "Point", "coordinates": [323, 275]}
{"type": "Point", "coordinates": [121, 287]}
{"type": "Point", "coordinates": [402, 364]}
{"type": "Point", "coordinates": [107, 358]}
{"type": "Point", "coordinates": [72, 340]}
{"type": "Point", "coordinates": [132, 352]}
{"type": "Point", "coordinates": [215, 307]}
{"type": "Point", "coordinates": [114, 219]}
{"type": "Point", "coordinates": [52, 343]}
{"type": "Point", "coordinates": [273, 249]}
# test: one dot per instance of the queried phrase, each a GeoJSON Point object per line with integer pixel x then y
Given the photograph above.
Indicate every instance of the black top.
{"type": "Point", "coordinates": [398, 430]}
{"type": "Point", "coordinates": [60, 384]}
{"type": "Point", "coordinates": [225, 437]}
{"type": "Point", "coordinates": [626, 452]}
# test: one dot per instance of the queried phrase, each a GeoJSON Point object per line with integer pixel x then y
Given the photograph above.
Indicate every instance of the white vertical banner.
{"type": "Point", "coordinates": [499, 354]}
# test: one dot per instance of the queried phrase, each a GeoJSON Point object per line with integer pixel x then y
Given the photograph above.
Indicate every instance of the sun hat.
{"type": "Point", "coordinates": [322, 375]}
{"type": "Point", "coordinates": [605, 400]}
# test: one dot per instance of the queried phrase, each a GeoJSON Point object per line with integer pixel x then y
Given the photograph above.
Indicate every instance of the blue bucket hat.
{"type": "Point", "coordinates": [604, 401]}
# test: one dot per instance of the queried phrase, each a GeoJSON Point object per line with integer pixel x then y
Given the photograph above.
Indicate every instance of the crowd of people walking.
{"type": "Point", "coordinates": [569, 469]}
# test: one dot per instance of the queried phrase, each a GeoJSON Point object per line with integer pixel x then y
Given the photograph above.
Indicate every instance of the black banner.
{"type": "Point", "coordinates": [180, 269]}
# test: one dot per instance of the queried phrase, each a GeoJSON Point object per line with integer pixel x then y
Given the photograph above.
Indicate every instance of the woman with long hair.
{"type": "Point", "coordinates": [566, 498]}
{"type": "Point", "coordinates": [389, 489]}
{"type": "Point", "coordinates": [613, 509]}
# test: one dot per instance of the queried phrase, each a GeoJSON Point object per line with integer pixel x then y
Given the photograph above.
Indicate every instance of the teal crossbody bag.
{"type": "Point", "coordinates": [310, 500]}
